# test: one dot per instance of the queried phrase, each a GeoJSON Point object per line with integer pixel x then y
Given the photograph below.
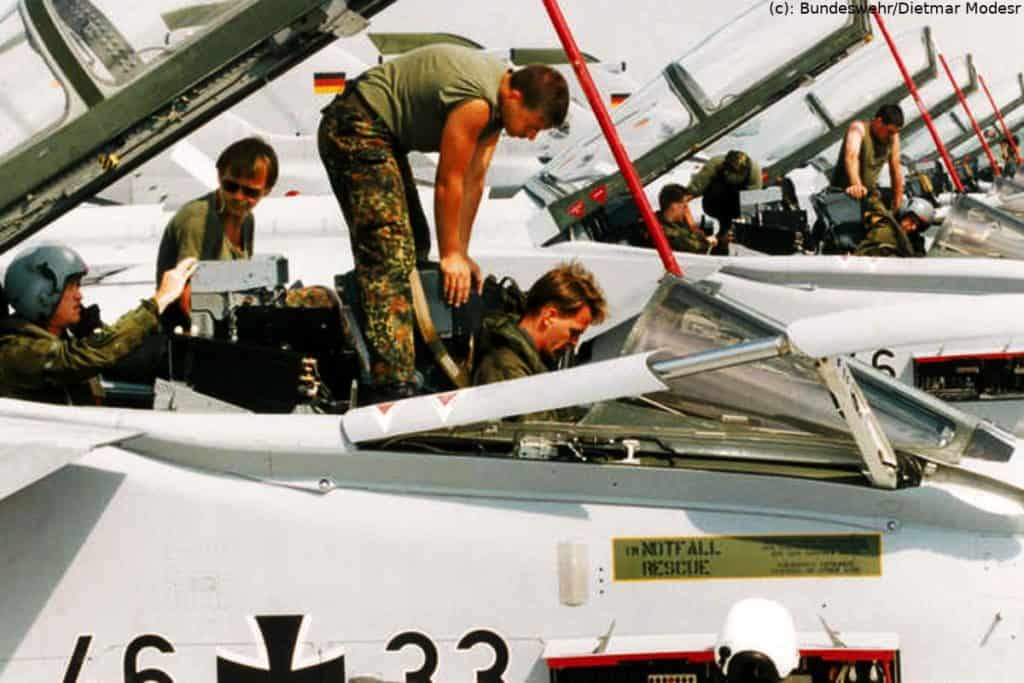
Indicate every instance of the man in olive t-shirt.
{"type": "Point", "coordinates": [446, 99]}
{"type": "Point", "coordinates": [219, 226]}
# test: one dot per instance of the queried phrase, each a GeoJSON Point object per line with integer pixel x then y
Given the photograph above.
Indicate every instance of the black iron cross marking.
{"type": "Point", "coordinates": [280, 637]}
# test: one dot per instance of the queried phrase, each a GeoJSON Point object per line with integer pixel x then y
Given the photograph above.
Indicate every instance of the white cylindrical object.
{"type": "Point", "coordinates": [590, 383]}
{"type": "Point", "coordinates": [573, 573]}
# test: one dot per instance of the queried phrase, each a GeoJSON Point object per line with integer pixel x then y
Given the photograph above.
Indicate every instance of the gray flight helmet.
{"type": "Point", "coordinates": [921, 208]}
{"type": "Point", "coordinates": [36, 278]}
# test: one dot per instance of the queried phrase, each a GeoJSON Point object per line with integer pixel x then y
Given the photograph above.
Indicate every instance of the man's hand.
{"type": "Point", "coordinates": [173, 283]}
{"type": "Point", "coordinates": [459, 273]}
{"type": "Point", "coordinates": [857, 191]}
{"type": "Point", "coordinates": [897, 202]}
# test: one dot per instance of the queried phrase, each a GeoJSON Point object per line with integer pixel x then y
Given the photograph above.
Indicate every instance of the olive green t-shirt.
{"type": "Point", "coordinates": [185, 235]}
{"type": "Point", "coordinates": [873, 156]}
{"type": "Point", "coordinates": [413, 94]}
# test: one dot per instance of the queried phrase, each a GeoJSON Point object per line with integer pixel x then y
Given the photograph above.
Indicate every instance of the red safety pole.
{"type": "Point", "coordinates": [612, 136]}
{"type": "Point", "coordinates": [999, 115]}
{"type": "Point", "coordinates": [967, 108]}
{"type": "Point", "coordinates": [917, 99]}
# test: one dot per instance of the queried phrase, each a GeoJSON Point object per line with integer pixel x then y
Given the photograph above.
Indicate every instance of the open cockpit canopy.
{"type": "Point", "coordinates": [973, 228]}
{"type": "Point", "coordinates": [742, 388]}
{"type": "Point", "coordinates": [810, 119]}
{"type": "Point", "coordinates": [954, 128]}
{"type": "Point", "coordinates": [96, 87]}
{"type": "Point", "coordinates": [785, 392]}
{"type": "Point", "coordinates": [724, 80]}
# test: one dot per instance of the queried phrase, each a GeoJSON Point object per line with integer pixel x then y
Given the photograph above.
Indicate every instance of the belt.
{"type": "Point", "coordinates": [353, 100]}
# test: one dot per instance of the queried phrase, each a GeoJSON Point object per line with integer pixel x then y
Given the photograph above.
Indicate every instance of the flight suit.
{"type": "Point", "coordinates": [363, 139]}
{"type": "Point", "coordinates": [507, 352]}
{"type": "Point", "coordinates": [884, 235]}
{"type": "Point", "coordinates": [37, 366]}
{"type": "Point", "coordinates": [679, 236]}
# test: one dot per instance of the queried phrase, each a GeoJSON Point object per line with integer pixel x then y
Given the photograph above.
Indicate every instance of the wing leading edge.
{"type": "Point", "coordinates": [32, 449]}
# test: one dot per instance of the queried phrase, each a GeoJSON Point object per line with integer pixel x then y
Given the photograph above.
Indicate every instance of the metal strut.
{"type": "Point", "coordinates": [880, 464]}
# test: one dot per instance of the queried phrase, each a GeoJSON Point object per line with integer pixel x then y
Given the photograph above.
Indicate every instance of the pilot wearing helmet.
{"type": "Point", "coordinates": [41, 357]}
{"type": "Point", "coordinates": [902, 238]}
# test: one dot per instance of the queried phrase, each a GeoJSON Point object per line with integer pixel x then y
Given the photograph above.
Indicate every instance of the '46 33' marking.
{"type": "Point", "coordinates": [280, 635]}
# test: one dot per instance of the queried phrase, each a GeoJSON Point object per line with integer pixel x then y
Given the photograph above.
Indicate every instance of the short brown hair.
{"type": "Point", "coordinates": [241, 156]}
{"type": "Point", "coordinates": [544, 89]}
{"type": "Point", "coordinates": [568, 288]}
{"type": "Point", "coordinates": [891, 115]}
{"type": "Point", "coordinates": [670, 194]}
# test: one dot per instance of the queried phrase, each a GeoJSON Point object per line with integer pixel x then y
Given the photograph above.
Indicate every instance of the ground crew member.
{"type": "Point", "coordinates": [559, 308]}
{"type": "Point", "coordinates": [219, 226]}
{"type": "Point", "coordinates": [446, 99]}
{"type": "Point", "coordinates": [1009, 157]}
{"type": "Point", "coordinates": [719, 183]}
{"type": "Point", "coordinates": [885, 239]}
{"type": "Point", "coordinates": [866, 148]}
{"type": "Point", "coordinates": [41, 359]}
{"type": "Point", "coordinates": [681, 230]}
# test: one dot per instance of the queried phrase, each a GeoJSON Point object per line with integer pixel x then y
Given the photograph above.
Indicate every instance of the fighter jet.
{"type": "Point", "coordinates": [713, 448]}
{"type": "Point", "coordinates": [121, 240]}
{"type": "Point", "coordinates": [286, 113]}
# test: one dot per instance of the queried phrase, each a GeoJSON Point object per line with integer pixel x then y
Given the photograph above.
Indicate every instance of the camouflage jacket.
{"type": "Point", "coordinates": [37, 366]}
{"type": "Point", "coordinates": [679, 236]}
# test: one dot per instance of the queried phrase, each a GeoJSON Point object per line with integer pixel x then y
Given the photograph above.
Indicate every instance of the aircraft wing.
{"type": "Point", "coordinates": [33, 450]}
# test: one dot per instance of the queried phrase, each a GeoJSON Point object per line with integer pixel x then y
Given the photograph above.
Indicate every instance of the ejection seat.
{"type": "Point", "coordinates": [839, 228]}
{"type": "Point", "coordinates": [446, 336]}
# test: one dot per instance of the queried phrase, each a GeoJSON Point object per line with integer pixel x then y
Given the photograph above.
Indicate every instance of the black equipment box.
{"type": "Point", "coordinates": [307, 330]}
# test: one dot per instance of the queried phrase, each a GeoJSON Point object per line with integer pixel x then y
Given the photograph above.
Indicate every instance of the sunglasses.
{"type": "Point", "coordinates": [231, 187]}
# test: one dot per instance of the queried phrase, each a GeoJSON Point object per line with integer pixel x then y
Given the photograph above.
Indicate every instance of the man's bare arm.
{"type": "Point", "coordinates": [459, 140]}
{"type": "Point", "coordinates": [851, 157]}
{"type": "Point", "coordinates": [895, 173]}
{"type": "Point", "coordinates": [474, 186]}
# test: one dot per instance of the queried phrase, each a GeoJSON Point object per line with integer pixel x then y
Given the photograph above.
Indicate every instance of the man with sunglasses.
{"type": "Point", "coordinates": [441, 98]}
{"type": "Point", "coordinates": [219, 226]}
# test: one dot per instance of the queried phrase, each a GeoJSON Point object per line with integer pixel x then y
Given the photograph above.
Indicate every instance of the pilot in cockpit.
{"type": "Point", "coordinates": [559, 308]}
{"type": "Point", "coordinates": [50, 349]}
{"type": "Point", "coordinates": [677, 222]}
{"type": "Point", "coordinates": [901, 237]}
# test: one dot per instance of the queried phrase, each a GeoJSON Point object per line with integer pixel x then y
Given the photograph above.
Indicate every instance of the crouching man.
{"type": "Point", "coordinates": [559, 308]}
{"type": "Point", "coordinates": [41, 356]}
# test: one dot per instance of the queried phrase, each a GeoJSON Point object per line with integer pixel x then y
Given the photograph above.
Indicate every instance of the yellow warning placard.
{"type": "Point", "coordinates": [746, 557]}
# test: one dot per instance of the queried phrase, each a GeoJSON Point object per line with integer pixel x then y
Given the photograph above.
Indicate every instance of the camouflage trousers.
{"type": "Point", "coordinates": [884, 236]}
{"type": "Point", "coordinates": [374, 185]}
